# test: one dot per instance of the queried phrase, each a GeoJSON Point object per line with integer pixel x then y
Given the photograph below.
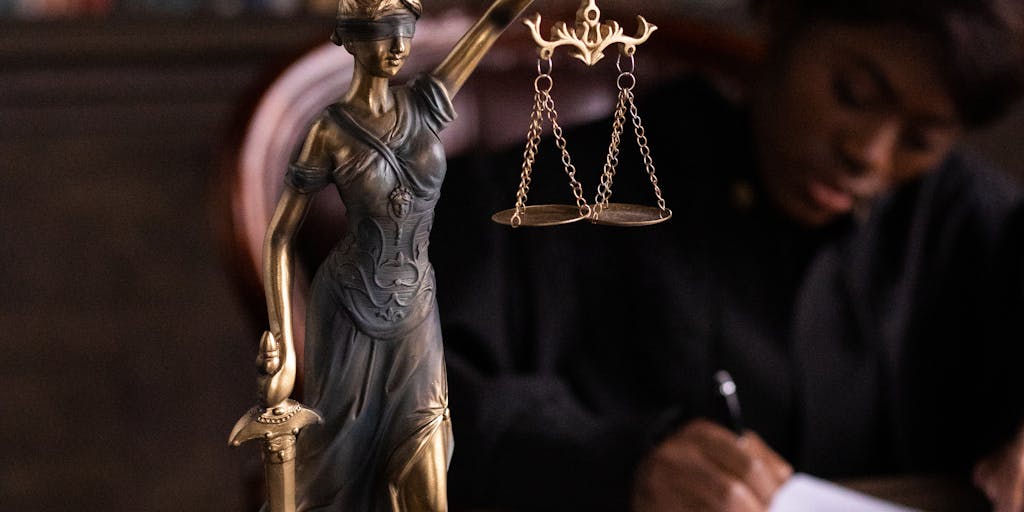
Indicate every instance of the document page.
{"type": "Point", "coordinates": [806, 493]}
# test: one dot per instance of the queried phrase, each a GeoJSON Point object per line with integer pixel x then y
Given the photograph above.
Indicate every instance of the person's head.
{"type": "Point", "coordinates": [859, 97]}
{"type": "Point", "coordinates": [377, 33]}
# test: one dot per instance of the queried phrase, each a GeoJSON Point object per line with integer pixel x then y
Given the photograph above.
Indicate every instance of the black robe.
{"type": "Point", "coordinates": [869, 346]}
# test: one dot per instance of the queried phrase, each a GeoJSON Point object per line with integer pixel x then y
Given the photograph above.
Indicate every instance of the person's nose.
{"type": "Point", "coordinates": [870, 149]}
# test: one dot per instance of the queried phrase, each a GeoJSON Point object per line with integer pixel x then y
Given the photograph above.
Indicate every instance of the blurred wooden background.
{"type": "Point", "coordinates": [126, 348]}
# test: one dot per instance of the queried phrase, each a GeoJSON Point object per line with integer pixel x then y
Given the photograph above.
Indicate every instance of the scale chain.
{"type": "Point", "coordinates": [570, 169]}
{"type": "Point", "coordinates": [589, 38]}
{"type": "Point", "coordinates": [641, 140]}
{"type": "Point", "coordinates": [530, 152]}
{"type": "Point", "coordinates": [604, 189]}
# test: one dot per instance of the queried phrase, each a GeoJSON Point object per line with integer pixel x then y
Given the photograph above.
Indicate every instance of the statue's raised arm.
{"type": "Point", "coordinates": [463, 59]}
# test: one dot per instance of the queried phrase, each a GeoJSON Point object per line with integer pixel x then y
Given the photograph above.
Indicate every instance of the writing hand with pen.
{"type": "Point", "coordinates": [704, 466]}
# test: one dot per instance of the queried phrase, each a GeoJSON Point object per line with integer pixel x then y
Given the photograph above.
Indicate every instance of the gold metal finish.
{"type": "Point", "coordinates": [277, 420]}
{"type": "Point", "coordinates": [625, 214]}
{"type": "Point", "coordinates": [415, 473]}
{"type": "Point", "coordinates": [278, 428]}
{"type": "Point", "coordinates": [278, 380]}
{"type": "Point", "coordinates": [455, 69]}
{"type": "Point", "coordinates": [589, 37]}
{"type": "Point", "coordinates": [544, 215]}
{"type": "Point", "coordinates": [539, 215]}
{"type": "Point", "coordinates": [611, 214]}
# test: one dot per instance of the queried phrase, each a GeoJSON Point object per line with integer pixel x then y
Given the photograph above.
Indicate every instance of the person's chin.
{"type": "Point", "coordinates": [800, 209]}
{"type": "Point", "coordinates": [809, 200]}
{"type": "Point", "coordinates": [820, 205]}
{"type": "Point", "coordinates": [813, 217]}
{"type": "Point", "coordinates": [830, 199]}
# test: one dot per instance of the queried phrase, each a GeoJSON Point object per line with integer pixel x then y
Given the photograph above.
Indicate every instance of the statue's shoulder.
{"type": "Point", "coordinates": [331, 137]}
{"type": "Point", "coordinates": [434, 100]}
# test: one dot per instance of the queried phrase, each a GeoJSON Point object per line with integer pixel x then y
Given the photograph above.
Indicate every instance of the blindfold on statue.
{"type": "Point", "coordinates": [385, 27]}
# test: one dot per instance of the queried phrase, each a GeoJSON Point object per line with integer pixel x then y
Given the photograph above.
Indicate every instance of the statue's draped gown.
{"type": "Point", "coordinates": [374, 360]}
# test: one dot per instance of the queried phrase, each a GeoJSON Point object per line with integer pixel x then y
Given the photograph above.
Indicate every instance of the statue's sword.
{"type": "Point", "coordinates": [278, 427]}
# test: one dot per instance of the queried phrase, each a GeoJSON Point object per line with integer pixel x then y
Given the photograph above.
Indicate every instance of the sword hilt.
{"type": "Point", "coordinates": [277, 427]}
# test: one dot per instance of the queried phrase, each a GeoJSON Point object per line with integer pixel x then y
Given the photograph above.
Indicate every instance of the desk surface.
{"type": "Point", "coordinates": [932, 493]}
{"type": "Point", "coordinates": [928, 493]}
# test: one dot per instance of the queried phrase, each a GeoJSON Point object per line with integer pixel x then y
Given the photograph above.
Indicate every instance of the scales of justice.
{"type": "Point", "coordinates": [376, 430]}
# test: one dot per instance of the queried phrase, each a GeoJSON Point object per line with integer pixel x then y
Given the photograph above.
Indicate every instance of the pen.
{"type": "Point", "coordinates": [727, 388]}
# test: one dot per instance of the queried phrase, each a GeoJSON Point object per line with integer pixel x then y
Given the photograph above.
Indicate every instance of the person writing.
{"type": "Point", "coordinates": [831, 247]}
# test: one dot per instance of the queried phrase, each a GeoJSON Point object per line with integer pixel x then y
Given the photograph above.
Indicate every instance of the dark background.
{"type": "Point", "coordinates": [127, 349]}
{"type": "Point", "coordinates": [129, 354]}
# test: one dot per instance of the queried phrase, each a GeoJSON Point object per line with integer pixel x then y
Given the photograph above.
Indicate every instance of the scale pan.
{"type": "Point", "coordinates": [541, 215]}
{"type": "Point", "coordinates": [624, 214]}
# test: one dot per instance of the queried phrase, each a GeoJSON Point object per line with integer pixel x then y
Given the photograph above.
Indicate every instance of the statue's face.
{"type": "Point", "coordinates": [382, 58]}
{"type": "Point", "coordinates": [384, 54]}
{"type": "Point", "coordinates": [848, 113]}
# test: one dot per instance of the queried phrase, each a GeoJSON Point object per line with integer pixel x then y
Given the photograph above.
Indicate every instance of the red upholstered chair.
{"type": "Point", "coordinates": [493, 110]}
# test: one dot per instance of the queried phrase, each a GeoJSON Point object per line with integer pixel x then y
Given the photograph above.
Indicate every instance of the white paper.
{"type": "Point", "coordinates": [805, 493]}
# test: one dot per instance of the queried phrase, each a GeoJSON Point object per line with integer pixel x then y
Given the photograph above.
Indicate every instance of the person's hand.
{"type": "Point", "coordinates": [1001, 476]}
{"type": "Point", "coordinates": [705, 467]}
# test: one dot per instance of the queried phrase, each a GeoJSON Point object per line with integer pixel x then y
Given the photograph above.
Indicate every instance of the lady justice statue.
{"type": "Point", "coordinates": [374, 364]}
